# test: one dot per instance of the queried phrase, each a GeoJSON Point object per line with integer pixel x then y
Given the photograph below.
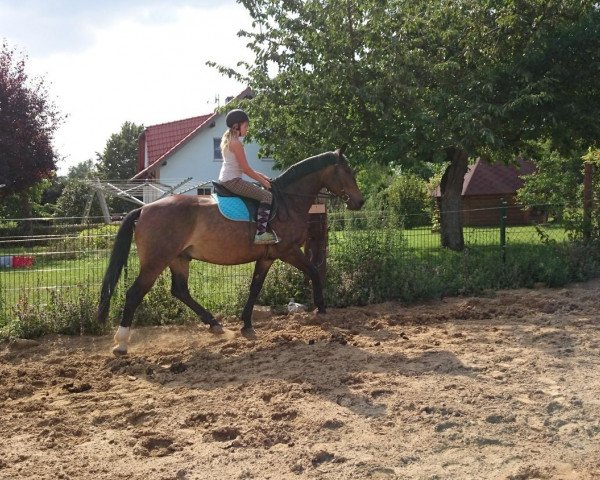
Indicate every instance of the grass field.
{"type": "Point", "coordinates": [217, 286]}
{"type": "Point", "coordinates": [423, 239]}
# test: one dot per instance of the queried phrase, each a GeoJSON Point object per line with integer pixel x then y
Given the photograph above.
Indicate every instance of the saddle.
{"type": "Point", "coordinates": [234, 207]}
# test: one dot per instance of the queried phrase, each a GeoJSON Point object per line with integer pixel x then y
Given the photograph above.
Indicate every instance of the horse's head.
{"type": "Point", "coordinates": [340, 180]}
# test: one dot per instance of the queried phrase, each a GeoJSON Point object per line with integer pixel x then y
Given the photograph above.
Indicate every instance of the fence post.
{"type": "Point", "coordinates": [587, 201]}
{"type": "Point", "coordinates": [315, 247]}
{"type": "Point", "coordinates": [503, 229]}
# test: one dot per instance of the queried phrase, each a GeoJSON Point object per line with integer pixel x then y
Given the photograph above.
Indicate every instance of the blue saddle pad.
{"type": "Point", "coordinates": [233, 208]}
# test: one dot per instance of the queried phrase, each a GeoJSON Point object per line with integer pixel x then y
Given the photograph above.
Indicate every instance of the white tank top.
{"type": "Point", "coordinates": [231, 168]}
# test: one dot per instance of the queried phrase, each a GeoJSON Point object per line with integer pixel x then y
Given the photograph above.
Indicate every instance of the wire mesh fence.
{"type": "Point", "coordinates": [41, 259]}
{"type": "Point", "coordinates": [44, 258]}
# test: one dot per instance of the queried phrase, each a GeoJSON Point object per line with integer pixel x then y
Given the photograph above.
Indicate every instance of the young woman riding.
{"type": "Point", "coordinates": [235, 164]}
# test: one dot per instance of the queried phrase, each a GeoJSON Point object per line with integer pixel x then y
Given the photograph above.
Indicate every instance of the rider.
{"type": "Point", "coordinates": [235, 164]}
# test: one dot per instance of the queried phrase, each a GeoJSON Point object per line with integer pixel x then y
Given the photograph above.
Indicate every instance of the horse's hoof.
{"type": "Point", "coordinates": [249, 333]}
{"type": "Point", "coordinates": [320, 311]}
{"type": "Point", "coordinates": [119, 352]}
{"type": "Point", "coordinates": [217, 329]}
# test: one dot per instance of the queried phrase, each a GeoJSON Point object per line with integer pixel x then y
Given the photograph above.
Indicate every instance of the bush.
{"type": "Point", "coordinates": [373, 266]}
{"type": "Point", "coordinates": [284, 282]}
{"type": "Point", "coordinates": [407, 199]}
{"type": "Point", "coordinates": [26, 321]}
{"type": "Point", "coordinates": [74, 316]}
{"type": "Point", "coordinates": [62, 314]}
{"type": "Point", "coordinates": [362, 270]}
{"type": "Point", "coordinates": [88, 240]}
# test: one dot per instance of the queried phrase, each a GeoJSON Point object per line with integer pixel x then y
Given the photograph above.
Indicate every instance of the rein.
{"type": "Point", "coordinates": [279, 199]}
{"type": "Point", "coordinates": [280, 202]}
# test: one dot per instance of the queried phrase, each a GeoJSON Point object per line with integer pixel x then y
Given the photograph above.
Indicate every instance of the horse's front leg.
{"type": "Point", "coordinates": [261, 268]}
{"type": "Point", "coordinates": [297, 259]}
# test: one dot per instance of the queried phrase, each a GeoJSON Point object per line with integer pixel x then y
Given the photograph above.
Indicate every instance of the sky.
{"type": "Point", "coordinates": [111, 61]}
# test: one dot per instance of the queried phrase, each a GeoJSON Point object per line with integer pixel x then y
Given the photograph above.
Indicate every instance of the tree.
{"type": "Point", "coordinates": [119, 158]}
{"type": "Point", "coordinates": [556, 184]}
{"type": "Point", "coordinates": [77, 191]}
{"type": "Point", "coordinates": [82, 170]}
{"type": "Point", "coordinates": [28, 121]}
{"type": "Point", "coordinates": [35, 202]}
{"type": "Point", "coordinates": [409, 82]}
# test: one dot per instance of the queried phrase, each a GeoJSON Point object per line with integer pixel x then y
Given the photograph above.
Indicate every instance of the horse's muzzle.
{"type": "Point", "coordinates": [355, 204]}
{"type": "Point", "coordinates": [352, 203]}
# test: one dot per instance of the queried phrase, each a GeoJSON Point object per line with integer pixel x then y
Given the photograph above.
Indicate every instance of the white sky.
{"type": "Point", "coordinates": [105, 63]}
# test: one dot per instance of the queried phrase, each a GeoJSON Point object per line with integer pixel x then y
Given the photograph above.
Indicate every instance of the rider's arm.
{"type": "Point", "coordinates": [238, 150]}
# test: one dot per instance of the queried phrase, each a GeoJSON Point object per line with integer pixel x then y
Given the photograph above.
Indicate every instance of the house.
{"type": "Point", "coordinates": [172, 152]}
{"type": "Point", "coordinates": [486, 185]}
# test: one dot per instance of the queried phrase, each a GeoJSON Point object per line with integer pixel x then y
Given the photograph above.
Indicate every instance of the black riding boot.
{"type": "Point", "coordinates": [263, 237]}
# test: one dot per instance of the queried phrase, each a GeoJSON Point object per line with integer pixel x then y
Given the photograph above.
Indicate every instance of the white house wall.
{"type": "Point", "coordinates": [196, 158]}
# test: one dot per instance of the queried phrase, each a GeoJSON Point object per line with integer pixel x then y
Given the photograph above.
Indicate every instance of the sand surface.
{"type": "Point", "coordinates": [505, 386]}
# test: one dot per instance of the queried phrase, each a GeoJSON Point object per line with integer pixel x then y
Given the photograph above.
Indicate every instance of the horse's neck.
{"type": "Point", "coordinates": [303, 192]}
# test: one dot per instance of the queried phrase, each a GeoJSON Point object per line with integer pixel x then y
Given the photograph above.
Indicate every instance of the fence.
{"type": "Point", "coordinates": [370, 258]}
{"type": "Point", "coordinates": [61, 257]}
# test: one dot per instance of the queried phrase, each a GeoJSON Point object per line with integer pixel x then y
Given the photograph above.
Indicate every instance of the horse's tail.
{"type": "Point", "coordinates": [118, 258]}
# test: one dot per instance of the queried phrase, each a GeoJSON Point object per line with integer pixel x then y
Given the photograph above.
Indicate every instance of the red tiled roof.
{"type": "Point", "coordinates": [485, 179]}
{"type": "Point", "coordinates": [166, 138]}
{"type": "Point", "coordinates": [162, 138]}
{"type": "Point", "coordinates": [494, 179]}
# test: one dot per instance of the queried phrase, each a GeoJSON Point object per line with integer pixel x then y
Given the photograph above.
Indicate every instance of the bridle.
{"type": "Point", "coordinates": [344, 196]}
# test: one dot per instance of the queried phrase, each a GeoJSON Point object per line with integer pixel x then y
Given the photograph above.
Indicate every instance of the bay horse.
{"type": "Point", "coordinates": [172, 231]}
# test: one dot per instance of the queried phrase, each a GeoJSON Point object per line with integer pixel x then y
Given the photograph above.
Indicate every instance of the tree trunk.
{"type": "Point", "coordinates": [451, 190]}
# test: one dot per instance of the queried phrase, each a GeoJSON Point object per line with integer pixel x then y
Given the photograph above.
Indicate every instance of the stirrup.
{"type": "Point", "coordinates": [265, 238]}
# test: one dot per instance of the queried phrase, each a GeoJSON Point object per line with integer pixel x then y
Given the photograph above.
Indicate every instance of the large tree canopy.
{"type": "Point", "coordinates": [406, 81]}
{"type": "Point", "coordinates": [28, 121]}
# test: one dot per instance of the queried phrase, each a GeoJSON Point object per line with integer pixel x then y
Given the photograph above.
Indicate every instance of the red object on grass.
{"type": "Point", "coordinates": [22, 261]}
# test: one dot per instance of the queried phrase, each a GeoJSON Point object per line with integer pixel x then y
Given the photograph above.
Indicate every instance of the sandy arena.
{"type": "Point", "coordinates": [505, 386]}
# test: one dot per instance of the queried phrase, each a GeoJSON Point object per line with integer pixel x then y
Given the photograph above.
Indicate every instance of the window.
{"type": "Point", "coordinates": [217, 149]}
{"type": "Point", "coordinates": [204, 191]}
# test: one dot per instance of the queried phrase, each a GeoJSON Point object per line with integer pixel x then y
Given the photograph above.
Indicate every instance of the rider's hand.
{"type": "Point", "coordinates": [266, 184]}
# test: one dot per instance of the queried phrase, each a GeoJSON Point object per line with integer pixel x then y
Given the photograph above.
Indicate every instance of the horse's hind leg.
{"type": "Point", "coordinates": [180, 270]}
{"type": "Point", "coordinates": [134, 296]}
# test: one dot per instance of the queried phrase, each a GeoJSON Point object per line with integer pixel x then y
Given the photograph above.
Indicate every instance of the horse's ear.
{"type": "Point", "coordinates": [342, 149]}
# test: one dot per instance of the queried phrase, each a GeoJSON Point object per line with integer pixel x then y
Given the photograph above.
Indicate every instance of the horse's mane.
{"type": "Point", "coordinates": [305, 167]}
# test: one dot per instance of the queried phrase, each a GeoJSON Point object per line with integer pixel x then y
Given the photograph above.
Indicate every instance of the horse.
{"type": "Point", "coordinates": [172, 231]}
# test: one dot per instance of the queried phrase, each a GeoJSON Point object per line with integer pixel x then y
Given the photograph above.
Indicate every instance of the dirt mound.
{"type": "Point", "coordinates": [500, 386]}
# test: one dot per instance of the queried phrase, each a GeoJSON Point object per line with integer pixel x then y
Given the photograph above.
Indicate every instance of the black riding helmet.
{"type": "Point", "coordinates": [236, 116]}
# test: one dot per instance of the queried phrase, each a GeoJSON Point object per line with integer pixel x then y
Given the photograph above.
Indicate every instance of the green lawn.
{"type": "Point", "coordinates": [422, 238]}
{"type": "Point", "coordinates": [213, 285]}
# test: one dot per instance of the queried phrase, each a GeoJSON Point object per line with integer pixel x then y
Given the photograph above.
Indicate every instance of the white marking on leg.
{"type": "Point", "coordinates": [122, 339]}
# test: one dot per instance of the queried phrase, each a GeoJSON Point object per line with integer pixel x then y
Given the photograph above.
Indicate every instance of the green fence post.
{"type": "Point", "coordinates": [503, 229]}
{"type": "Point", "coordinates": [587, 200]}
